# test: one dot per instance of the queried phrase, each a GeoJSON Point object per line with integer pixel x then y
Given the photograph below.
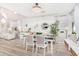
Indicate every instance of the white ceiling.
{"type": "Point", "coordinates": [25, 9]}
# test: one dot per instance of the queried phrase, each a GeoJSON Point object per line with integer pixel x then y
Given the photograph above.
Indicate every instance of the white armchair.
{"type": "Point", "coordinates": [6, 35]}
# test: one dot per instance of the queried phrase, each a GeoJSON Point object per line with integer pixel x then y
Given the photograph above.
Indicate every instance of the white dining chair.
{"type": "Point", "coordinates": [30, 42]}
{"type": "Point", "coordinates": [41, 43]}
{"type": "Point", "coordinates": [22, 39]}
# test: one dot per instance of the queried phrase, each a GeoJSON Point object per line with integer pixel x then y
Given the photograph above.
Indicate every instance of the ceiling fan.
{"type": "Point", "coordinates": [36, 8]}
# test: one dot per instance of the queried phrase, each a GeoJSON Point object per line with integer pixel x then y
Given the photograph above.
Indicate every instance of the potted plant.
{"type": "Point", "coordinates": [54, 29]}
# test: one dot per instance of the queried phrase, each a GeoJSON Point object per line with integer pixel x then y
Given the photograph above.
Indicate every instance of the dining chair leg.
{"type": "Point", "coordinates": [33, 49]}
{"type": "Point", "coordinates": [26, 48]}
{"type": "Point", "coordinates": [24, 42]}
{"type": "Point", "coordinates": [47, 48]}
{"type": "Point", "coordinates": [44, 51]}
{"type": "Point", "coordinates": [51, 47]}
{"type": "Point", "coordinates": [36, 50]}
{"type": "Point", "coordinates": [21, 42]}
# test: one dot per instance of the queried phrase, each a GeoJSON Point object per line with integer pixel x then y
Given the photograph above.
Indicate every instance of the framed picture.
{"type": "Point", "coordinates": [45, 26]}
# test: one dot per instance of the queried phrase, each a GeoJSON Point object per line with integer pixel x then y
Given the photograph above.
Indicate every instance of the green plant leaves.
{"type": "Point", "coordinates": [54, 28]}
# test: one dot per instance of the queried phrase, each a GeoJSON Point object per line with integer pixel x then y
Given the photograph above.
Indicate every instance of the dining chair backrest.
{"type": "Point", "coordinates": [23, 35]}
{"type": "Point", "coordinates": [40, 40]}
{"type": "Point", "coordinates": [29, 39]}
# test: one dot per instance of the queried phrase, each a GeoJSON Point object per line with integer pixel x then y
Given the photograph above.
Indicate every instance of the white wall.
{"type": "Point", "coordinates": [64, 22]}
{"type": "Point", "coordinates": [76, 14]}
{"type": "Point", "coordinates": [35, 23]}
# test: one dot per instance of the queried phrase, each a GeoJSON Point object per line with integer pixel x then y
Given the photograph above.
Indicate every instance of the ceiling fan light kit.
{"type": "Point", "coordinates": [36, 8]}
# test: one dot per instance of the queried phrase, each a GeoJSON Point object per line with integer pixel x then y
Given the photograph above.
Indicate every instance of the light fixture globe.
{"type": "Point", "coordinates": [36, 8]}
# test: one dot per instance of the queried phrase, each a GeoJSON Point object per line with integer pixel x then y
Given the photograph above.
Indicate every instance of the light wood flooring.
{"type": "Point", "coordinates": [16, 48]}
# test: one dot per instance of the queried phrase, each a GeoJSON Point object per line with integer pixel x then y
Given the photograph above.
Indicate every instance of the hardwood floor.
{"type": "Point", "coordinates": [16, 48]}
